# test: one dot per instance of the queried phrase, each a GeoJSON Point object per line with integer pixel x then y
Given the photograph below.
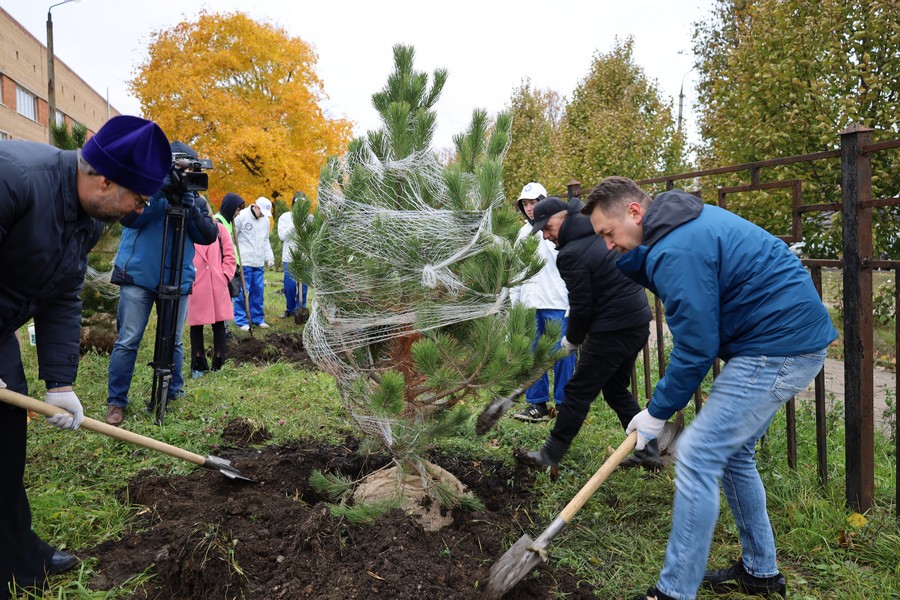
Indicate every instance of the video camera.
{"type": "Point", "coordinates": [186, 174]}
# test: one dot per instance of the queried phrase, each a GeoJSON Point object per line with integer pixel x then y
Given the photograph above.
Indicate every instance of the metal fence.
{"type": "Point", "coordinates": [856, 263]}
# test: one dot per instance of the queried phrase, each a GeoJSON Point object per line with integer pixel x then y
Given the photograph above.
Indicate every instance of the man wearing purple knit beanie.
{"type": "Point", "coordinates": [52, 205]}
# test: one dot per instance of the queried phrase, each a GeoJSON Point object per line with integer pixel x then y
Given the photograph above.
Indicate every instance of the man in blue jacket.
{"type": "Point", "coordinates": [734, 291]}
{"type": "Point", "coordinates": [137, 271]}
{"type": "Point", "coordinates": [52, 204]}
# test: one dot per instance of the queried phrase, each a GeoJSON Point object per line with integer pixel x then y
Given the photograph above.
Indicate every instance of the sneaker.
{"type": "Point", "coordinates": [115, 415]}
{"type": "Point", "coordinates": [533, 413]}
{"type": "Point", "coordinates": [647, 458]}
{"type": "Point", "coordinates": [286, 315]}
{"type": "Point", "coordinates": [755, 586]}
{"type": "Point", "coordinates": [244, 328]}
{"type": "Point", "coordinates": [653, 594]}
{"type": "Point", "coordinates": [263, 325]}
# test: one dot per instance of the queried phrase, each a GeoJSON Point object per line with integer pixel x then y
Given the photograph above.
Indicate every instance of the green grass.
{"type": "Point", "coordinates": [616, 543]}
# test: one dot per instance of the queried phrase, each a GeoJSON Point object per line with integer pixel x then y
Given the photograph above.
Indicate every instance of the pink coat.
{"type": "Point", "coordinates": [210, 301]}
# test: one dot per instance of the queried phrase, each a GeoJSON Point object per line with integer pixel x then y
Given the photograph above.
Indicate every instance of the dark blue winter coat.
{"type": "Point", "coordinates": [45, 238]}
{"type": "Point", "coordinates": [730, 288]}
{"type": "Point", "coordinates": [139, 257]}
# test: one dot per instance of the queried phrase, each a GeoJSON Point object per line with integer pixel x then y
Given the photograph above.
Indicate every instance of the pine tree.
{"type": "Point", "coordinates": [410, 262]}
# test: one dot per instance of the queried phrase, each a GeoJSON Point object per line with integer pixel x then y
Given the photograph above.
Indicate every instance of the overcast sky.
{"type": "Point", "coordinates": [489, 47]}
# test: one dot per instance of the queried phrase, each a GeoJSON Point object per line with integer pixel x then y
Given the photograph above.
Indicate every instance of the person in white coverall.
{"type": "Point", "coordinates": [294, 302]}
{"type": "Point", "coordinates": [545, 292]}
{"type": "Point", "coordinates": [251, 232]}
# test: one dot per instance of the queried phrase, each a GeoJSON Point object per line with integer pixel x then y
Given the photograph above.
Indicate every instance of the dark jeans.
{"type": "Point", "coordinates": [604, 364]}
{"type": "Point", "coordinates": [198, 351]}
{"type": "Point", "coordinates": [23, 555]}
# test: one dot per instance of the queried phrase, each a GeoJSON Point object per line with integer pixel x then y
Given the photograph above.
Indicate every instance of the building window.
{"type": "Point", "coordinates": [4, 135]}
{"type": "Point", "coordinates": [26, 104]}
{"type": "Point", "coordinates": [60, 119]}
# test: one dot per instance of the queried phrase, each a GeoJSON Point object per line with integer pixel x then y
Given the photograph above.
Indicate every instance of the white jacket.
{"type": "Point", "coordinates": [546, 289]}
{"type": "Point", "coordinates": [286, 233]}
{"type": "Point", "coordinates": [252, 236]}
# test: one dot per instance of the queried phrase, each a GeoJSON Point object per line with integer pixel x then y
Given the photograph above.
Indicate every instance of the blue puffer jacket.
{"type": "Point", "coordinates": [139, 256]}
{"type": "Point", "coordinates": [730, 289]}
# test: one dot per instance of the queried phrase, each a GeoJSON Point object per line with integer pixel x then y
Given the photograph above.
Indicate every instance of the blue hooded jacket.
{"type": "Point", "coordinates": [730, 288]}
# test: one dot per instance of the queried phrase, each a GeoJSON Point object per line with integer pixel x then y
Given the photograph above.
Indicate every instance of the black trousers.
{"type": "Point", "coordinates": [605, 364]}
{"type": "Point", "coordinates": [23, 555]}
{"type": "Point", "coordinates": [198, 351]}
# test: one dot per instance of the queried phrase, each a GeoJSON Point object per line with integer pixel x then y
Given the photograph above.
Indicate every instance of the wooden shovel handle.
{"type": "Point", "coordinates": [598, 478]}
{"type": "Point", "coordinates": [48, 410]}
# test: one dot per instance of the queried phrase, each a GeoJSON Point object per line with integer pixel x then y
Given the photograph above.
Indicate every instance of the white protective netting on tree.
{"type": "Point", "coordinates": [386, 264]}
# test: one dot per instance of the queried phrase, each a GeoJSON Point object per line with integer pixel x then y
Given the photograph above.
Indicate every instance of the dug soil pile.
{"type": "Point", "coordinates": [204, 536]}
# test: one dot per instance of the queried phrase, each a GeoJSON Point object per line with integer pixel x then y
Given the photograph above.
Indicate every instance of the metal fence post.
{"type": "Point", "coordinates": [856, 184]}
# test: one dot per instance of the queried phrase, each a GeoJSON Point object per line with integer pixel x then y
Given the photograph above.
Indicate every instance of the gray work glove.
{"type": "Point", "coordinates": [67, 401]}
{"type": "Point", "coordinates": [568, 346]}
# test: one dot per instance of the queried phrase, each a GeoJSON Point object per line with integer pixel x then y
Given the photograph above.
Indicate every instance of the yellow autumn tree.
{"type": "Point", "coordinates": [246, 95]}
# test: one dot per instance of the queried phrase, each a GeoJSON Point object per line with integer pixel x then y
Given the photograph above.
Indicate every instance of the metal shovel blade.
{"type": "Point", "coordinates": [510, 568]}
{"type": "Point", "coordinates": [224, 467]}
{"type": "Point", "coordinates": [668, 437]}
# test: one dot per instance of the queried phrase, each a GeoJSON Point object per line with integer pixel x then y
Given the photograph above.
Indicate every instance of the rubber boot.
{"type": "Point", "coordinates": [547, 457]}
{"type": "Point", "coordinates": [647, 458]}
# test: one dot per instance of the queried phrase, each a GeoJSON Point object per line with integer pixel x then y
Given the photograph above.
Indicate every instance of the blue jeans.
{"type": "Point", "coordinates": [539, 393]}
{"type": "Point", "coordinates": [135, 303]}
{"type": "Point", "coordinates": [255, 282]}
{"type": "Point", "coordinates": [719, 446]}
{"type": "Point", "coordinates": [290, 292]}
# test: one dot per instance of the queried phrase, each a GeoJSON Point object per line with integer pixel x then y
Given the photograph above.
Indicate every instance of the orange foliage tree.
{"type": "Point", "coordinates": [246, 95]}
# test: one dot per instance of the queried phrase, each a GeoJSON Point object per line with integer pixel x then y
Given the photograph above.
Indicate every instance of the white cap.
{"type": "Point", "coordinates": [265, 205]}
{"type": "Point", "coordinates": [532, 191]}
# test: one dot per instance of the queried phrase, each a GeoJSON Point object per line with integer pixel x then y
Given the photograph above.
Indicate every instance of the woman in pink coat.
{"type": "Point", "coordinates": [210, 303]}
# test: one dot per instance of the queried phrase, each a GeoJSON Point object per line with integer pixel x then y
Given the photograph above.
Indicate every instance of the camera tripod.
{"type": "Point", "coordinates": [168, 298]}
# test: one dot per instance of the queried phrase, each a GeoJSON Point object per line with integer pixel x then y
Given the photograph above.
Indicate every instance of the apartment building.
{"type": "Point", "coordinates": [24, 111]}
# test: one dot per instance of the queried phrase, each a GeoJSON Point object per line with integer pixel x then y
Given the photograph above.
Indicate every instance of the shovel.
{"type": "Point", "coordinates": [213, 463]}
{"type": "Point", "coordinates": [526, 553]}
{"type": "Point", "coordinates": [496, 409]}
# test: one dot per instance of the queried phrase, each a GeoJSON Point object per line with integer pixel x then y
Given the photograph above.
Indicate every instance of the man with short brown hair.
{"type": "Point", "coordinates": [733, 291]}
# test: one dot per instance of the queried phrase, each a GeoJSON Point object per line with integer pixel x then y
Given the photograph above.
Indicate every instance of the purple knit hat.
{"type": "Point", "coordinates": [132, 152]}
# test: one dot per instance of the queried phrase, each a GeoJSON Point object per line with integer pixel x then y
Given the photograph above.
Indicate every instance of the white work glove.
{"type": "Point", "coordinates": [648, 428]}
{"type": "Point", "coordinates": [2, 384]}
{"type": "Point", "coordinates": [68, 401]}
{"type": "Point", "coordinates": [568, 346]}
{"type": "Point", "coordinates": [270, 263]}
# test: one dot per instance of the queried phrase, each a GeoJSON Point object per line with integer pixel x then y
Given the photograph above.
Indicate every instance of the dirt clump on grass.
{"type": "Point", "coordinates": [272, 347]}
{"type": "Point", "coordinates": [243, 432]}
{"type": "Point", "coordinates": [205, 536]}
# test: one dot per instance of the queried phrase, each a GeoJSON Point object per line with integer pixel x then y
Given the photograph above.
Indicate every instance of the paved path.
{"type": "Point", "coordinates": [885, 385]}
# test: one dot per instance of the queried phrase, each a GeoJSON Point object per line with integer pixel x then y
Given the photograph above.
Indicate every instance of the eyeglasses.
{"type": "Point", "coordinates": [141, 201]}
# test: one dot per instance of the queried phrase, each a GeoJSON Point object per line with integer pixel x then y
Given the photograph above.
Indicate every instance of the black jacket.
{"type": "Point", "coordinates": [600, 297]}
{"type": "Point", "coordinates": [45, 237]}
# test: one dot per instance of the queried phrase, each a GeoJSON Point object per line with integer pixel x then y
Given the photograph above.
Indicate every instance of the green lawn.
{"type": "Point", "coordinates": [616, 543]}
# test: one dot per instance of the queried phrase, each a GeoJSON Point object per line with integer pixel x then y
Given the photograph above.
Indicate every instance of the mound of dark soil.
{"type": "Point", "coordinates": [205, 536]}
{"type": "Point", "coordinates": [284, 347]}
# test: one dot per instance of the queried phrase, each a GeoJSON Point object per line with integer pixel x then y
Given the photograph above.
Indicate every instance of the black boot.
{"type": "Point", "coordinates": [757, 586]}
{"type": "Point", "coordinates": [547, 457]}
{"type": "Point", "coordinates": [647, 458]}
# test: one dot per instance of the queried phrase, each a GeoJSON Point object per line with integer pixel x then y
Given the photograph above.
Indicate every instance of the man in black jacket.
{"type": "Point", "coordinates": [52, 203]}
{"type": "Point", "coordinates": [609, 318]}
